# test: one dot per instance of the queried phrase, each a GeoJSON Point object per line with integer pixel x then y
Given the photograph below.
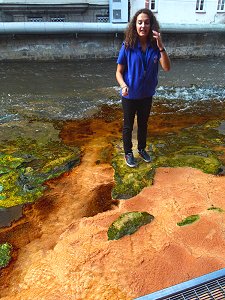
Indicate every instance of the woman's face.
{"type": "Point", "coordinates": [143, 25]}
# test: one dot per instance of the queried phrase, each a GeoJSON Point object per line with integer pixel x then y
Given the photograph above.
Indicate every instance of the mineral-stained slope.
{"type": "Point", "coordinates": [83, 264]}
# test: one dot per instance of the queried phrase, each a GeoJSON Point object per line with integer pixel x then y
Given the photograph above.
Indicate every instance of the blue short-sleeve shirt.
{"type": "Point", "coordinates": [141, 72]}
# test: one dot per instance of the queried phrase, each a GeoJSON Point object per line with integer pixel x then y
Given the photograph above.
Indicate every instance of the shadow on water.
{"type": "Point", "coordinates": [8, 215]}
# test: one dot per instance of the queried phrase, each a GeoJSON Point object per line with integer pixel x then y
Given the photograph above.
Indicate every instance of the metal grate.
{"type": "Point", "coordinates": [208, 287]}
{"type": "Point", "coordinates": [102, 19]}
{"type": "Point", "coordinates": [58, 19]}
{"type": "Point", "coordinates": [34, 19]}
{"type": "Point", "coordinates": [208, 291]}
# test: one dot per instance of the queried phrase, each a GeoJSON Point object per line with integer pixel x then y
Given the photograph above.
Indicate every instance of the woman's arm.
{"type": "Point", "coordinates": [119, 78]}
{"type": "Point", "coordinates": [164, 60]}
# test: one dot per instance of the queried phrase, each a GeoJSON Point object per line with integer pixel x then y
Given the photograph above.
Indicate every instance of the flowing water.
{"type": "Point", "coordinates": [73, 90]}
{"type": "Point", "coordinates": [55, 91]}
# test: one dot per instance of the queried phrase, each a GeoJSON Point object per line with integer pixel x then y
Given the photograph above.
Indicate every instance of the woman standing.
{"type": "Point", "coordinates": [137, 75]}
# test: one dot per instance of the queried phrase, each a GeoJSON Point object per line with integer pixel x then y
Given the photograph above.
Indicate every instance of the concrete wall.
{"type": "Point", "coordinates": [83, 46]}
{"type": "Point", "coordinates": [58, 47]}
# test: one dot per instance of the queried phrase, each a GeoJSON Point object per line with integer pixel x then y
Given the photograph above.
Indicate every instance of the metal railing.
{"type": "Point", "coordinates": [207, 287]}
{"type": "Point", "coordinates": [98, 27]}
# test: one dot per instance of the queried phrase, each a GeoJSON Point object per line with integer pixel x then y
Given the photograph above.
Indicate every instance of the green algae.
{"type": "Point", "coordinates": [105, 155]}
{"type": "Point", "coordinates": [5, 254]}
{"type": "Point", "coordinates": [189, 220]}
{"type": "Point", "coordinates": [24, 183]}
{"type": "Point", "coordinates": [209, 164]}
{"type": "Point", "coordinates": [8, 162]}
{"type": "Point", "coordinates": [28, 160]}
{"type": "Point", "coordinates": [130, 181]}
{"type": "Point", "coordinates": [17, 192]}
{"type": "Point", "coordinates": [214, 208]}
{"type": "Point", "coordinates": [182, 150]}
{"type": "Point", "coordinates": [196, 147]}
{"type": "Point", "coordinates": [128, 223]}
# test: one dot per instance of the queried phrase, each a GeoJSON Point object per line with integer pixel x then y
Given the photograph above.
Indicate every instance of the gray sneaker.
{"type": "Point", "coordinates": [144, 155]}
{"type": "Point", "coordinates": [130, 161]}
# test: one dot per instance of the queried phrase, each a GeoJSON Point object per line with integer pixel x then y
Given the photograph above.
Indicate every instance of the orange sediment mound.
{"type": "Point", "coordinates": [61, 246]}
{"type": "Point", "coordinates": [73, 259]}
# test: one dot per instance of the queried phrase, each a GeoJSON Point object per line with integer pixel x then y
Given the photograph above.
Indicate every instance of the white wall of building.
{"type": "Point", "coordinates": [100, 2]}
{"type": "Point", "coordinates": [135, 5]}
{"type": "Point", "coordinates": [183, 12]}
{"type": "Point", "coordinates": [118, 11]}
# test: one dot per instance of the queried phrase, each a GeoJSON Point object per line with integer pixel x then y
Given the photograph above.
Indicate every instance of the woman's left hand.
{"type": "Point", "coordinates": [157, 36]}
{"type": "Point", "coordinates": [164, 60]}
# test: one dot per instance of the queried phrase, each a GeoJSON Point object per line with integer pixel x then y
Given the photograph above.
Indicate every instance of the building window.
{"type": "Point", "coordinates": [116, 0]}
{"type": "Point", "coordinates": [57, 19]}
{"type": "Point", "coordinates": [200, 5]}
{"type": "Point", "coordinates": [153, 5]}
{"type": "Point", "coordinates": [116, 14]}
{"type": "Point", "coordinates": [220, 5]}
{"type": "Point", "coordinates": [102, 19]}
{"type": "Point", "coordinates": [34, 19]}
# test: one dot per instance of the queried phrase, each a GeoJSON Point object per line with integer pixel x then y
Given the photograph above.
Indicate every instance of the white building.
{"type": "Point", "coordinates": [184, 12]}
{"type": "Point", "coordinates": [100, 2]}
{"type": "Point", "coordinates": [54, 11]}
{"type": "Point", "coordinates": [166, 11]}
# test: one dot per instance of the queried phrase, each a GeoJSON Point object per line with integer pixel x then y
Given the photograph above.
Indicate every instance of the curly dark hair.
{"type": "Point", "coordinates": [131, 36]}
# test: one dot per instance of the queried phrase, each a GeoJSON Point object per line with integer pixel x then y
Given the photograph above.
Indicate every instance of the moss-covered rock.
{"type": "Point", "coordinates": [197, 147]}
{"type": "Point", "coordinates": [214, 208]}
{"type": "Point", "coordinates": [29, 157]}
{"type": "Point", "coordinates": [205, 161]}
{"type": "Point", "coordinates": [189, 220]}
{"type": "Point", "coordinates": [130, 181]}
{"type": "Point", "coordinates": [5, 254]}
{"type": "Point", "coordinates": [128, 223]}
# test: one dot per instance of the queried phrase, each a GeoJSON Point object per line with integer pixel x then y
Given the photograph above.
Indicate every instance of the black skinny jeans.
{"type": "Point", "coordinates": [142, 108]}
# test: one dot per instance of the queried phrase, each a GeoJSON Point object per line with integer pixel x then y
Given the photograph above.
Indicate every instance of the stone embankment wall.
{"type": "Point", "coordinates": [86, 46]}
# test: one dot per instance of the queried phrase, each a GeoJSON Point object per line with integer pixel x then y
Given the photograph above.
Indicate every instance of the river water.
{"type": "Point", "coordinates": [74, 90]}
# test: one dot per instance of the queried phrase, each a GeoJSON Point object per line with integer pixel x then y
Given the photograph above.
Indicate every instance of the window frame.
{"type": "Point", "coordinates": [117, 15]}
{"type": "Point", "coordinates": [220, 4]}
{"type": "Point", "coordinates": [156, 5]}
{"type": "Point", "coordinates": [198, 5]}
